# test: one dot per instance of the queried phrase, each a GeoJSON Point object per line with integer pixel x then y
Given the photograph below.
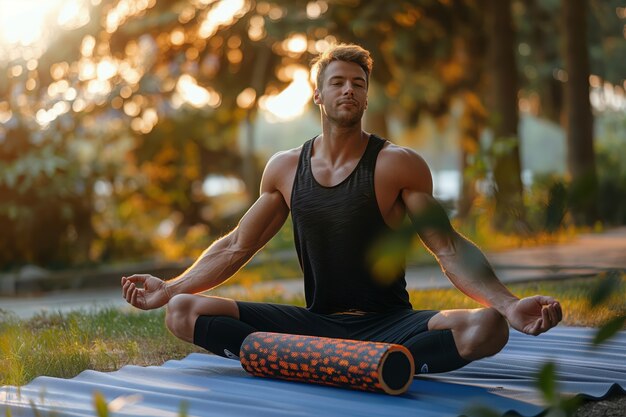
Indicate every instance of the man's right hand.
{"type": "Point", "coordinates": [153, 293]}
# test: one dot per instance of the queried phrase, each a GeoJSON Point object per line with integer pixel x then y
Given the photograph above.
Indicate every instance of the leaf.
{"type": "Point", "coordinates": [546, 382]}
{"type": "Point", "coordinates": [609, 329]}
{"type": "Point", "coordinates": [570, 405]}
{"type": "Point", "coordinates": [100, 405]}
{"type": "Point", "coordinates": [608, 285]}
{"type": "Point", "coordinates": [481, 411]}
{"type": "Point", "coordinates": [33, 407]}
{"type": "Point", "coordinates": [183, 409]}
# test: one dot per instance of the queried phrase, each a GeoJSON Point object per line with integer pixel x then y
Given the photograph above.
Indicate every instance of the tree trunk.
{"type": "Point", "coordinates": [509, 210]}
{"type": "Point", "coordinates": [545, 54]}
{"type": "Point", "coordinates": [472, 123]}
{"type": "Point", "coordinates": [579, 119]}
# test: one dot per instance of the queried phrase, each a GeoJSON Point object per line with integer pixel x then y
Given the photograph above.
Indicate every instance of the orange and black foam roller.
{"type": "Point", "coordinates": [366, 366]}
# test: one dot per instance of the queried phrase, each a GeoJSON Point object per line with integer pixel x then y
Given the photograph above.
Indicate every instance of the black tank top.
{"type": "Point", "coordinates": [334, 229]}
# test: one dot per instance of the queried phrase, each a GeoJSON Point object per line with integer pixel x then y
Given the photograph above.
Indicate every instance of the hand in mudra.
{"type": "Point", "coordinates": [534, 315]}
{"type": "Point", "coordinates": [144, 291]}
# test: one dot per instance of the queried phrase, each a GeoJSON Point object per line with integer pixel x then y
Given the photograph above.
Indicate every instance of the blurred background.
{"type": "Point", "coordinates": [137, 130]}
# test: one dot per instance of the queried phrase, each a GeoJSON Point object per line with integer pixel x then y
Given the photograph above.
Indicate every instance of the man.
{"type": "Point", "coordinates": [346, 190]}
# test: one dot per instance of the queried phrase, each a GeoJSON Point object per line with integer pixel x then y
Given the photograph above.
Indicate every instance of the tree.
{"type": "Point", "coordinates": [142, 101]}
{"type": "Point", "coordinates": [502, 103]}
{"type": "Point", "coordinates": [539, 57]}
{"type": "Point", "coordinates": [580, 151]}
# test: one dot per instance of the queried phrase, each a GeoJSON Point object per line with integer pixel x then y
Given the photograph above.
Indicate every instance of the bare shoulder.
{"type": "Point", "coordinates": [392, 153]}
{"type": "Point", "coordinates": [405, 166]}
{"type": "Point", "coordinates": [280, 170]}
{"type": "Point", "coordinates": [283, 160]}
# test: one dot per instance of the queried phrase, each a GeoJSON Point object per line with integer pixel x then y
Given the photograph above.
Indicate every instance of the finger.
{"type": "Point", "coordinates": [535, 329]}
{"type": "Point", "coordinates": [134, 297]}
{"type": "Point", "coordinates": [545, 300]}
{"type": "Point", "coordinates": [129, 293]}
{"type": "Point", "coordinates": [125, 288]}
{"type": "Point", "coordinates": [552, 315]}
{"type": "Point", "coordinates": [559, 311]}
{"type": "Point", "coordinates": [545, 320]}
{"type": "Point", "coordinates": [138, 278]}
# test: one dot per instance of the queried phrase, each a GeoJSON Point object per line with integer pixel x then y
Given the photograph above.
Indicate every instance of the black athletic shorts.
{"type": "Point", "coordinates": [393, 327]}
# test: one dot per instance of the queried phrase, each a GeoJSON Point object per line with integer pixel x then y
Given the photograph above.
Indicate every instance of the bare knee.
{"type": "Point", "coordinates": [184, 309]}
{"type": "Point", "coordinates": [180, 317]}
{"type": "Point", "coordinates": [487, 332]}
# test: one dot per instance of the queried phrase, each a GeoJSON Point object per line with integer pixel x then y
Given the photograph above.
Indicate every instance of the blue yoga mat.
{"type": "Point", "coordinates": [207, 385]}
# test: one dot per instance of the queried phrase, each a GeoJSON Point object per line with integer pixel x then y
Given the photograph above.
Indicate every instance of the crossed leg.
{"type": "Point", "coordinates": [476, 333]}
{"type": "Point", "coordinates": [183, 310]}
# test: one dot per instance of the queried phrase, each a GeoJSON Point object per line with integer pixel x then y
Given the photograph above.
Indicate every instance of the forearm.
{"type": "Point", "coordinates": [469, 270]}
{"type": "Point", "coordinates": [216, 264]}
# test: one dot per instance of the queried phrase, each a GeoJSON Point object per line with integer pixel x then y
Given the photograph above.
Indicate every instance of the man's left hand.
{"type": "Point", "coordinates": [534, 315]}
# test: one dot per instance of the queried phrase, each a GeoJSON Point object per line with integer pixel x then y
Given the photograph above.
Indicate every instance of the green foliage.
{"type": "Point", "coordinates": [610, 149]}
{"type": "Point", "coordinates": [92, 186]}
{"type": "Point", "coordinates": [552, 199]}
{"type": "Point", "coordinates": [610, 328]}
{"type": "Point", "coordinates": [607, 290]}
{"type": "Point", "coordinates": [183, 410]}
{"type": "Point", "coordinates": [608, 284]}
{"type": "Point", "coordinates": [480, 411]}
{"type": "Point", "coordinates": [546, 382]}
{"type": "Point", "coordinates": [100, 404]}
{"type": "Point", "coordinates": [38, 189]}
{"type": "Point", "coordinates": [558, 405]}
{"type": "Point", "coordinates": [603, 294]}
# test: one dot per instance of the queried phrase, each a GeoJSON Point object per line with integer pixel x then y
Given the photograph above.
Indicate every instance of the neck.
{"type": "Point", "coordinates": [339, 143]}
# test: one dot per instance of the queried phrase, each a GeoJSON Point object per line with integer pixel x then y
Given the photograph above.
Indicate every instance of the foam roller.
{"type": "Point", "coordinates": [365, 366]}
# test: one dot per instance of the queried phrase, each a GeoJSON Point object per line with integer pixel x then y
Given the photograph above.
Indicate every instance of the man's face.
{"type": "Point", "coordinates": [343, 94]}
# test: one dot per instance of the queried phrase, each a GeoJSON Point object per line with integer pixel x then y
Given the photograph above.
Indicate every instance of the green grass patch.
{"type": "Point", "coordinates": [63, 345]}
{"type": "Point", "coordinates": [573, 294]}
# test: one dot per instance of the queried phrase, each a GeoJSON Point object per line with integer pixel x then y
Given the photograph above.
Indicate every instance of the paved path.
{"type": "Point", "coordinates": [587, 255]}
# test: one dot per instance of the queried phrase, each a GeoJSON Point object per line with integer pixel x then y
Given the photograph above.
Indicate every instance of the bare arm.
{"type": "Point", "coordinates": [468, 269]}
{"type": "Point", "coordinates": [463, 263]}
{"type": "Point", "coordinates": [226, 255]}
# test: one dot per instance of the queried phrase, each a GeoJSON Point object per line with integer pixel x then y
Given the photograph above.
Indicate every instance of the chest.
{"type": "Point", "coordinates": [329, 176]}
{"type": "Point", "coordinates": [331, 192]}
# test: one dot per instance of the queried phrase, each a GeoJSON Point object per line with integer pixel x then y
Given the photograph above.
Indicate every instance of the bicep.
{"type": "Point", "coordinates": [415, 191]}
{"type": "Point", "coordinates": [262, 221]}
{"type": "Point", "coordinates": [430, 221]}
{"type": "Point", "coordinates": [267, 215]}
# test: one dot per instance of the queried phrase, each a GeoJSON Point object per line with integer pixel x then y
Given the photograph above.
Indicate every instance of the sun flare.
{"type": "Point", "coordinates": [29, 23]}
{"type": "Point", "coordinates": [291, 102]}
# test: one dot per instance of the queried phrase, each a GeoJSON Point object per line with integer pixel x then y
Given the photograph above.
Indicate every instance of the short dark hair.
{"type": "Point", "coordinates": [341, 52]}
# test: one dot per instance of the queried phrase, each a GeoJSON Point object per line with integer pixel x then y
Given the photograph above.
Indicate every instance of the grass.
{"type": "Point", "coordinates": [573, 294]}
{"type": "Point", "coordinates": [63, 345]}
